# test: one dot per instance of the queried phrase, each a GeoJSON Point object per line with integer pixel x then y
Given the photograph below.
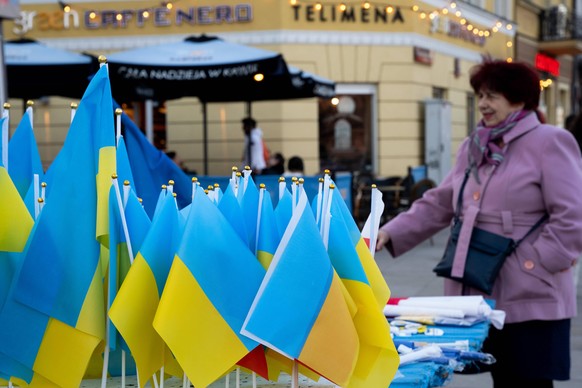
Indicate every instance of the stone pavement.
{"type": "Point", "coordinates": [411, 275]}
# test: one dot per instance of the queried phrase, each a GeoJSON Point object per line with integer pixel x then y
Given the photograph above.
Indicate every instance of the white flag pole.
{"type": "Point", "coordinates": [118, 113]}
{"type": "Point", "coordinates": [123, 368]}
{"type": "Point", "coordinates": [326, 217]}
{"type": "Point", "coordinates": [282, 186]}
{"type": "Point", "coordinates": [5, 126]}
{"type": "Point", "coordinates": [295, 375]}
{"type": "Point", "coordinates": [293, 193]}
{"type": "Point", "coordinates": [35, 190]}
{"type": "Point", "coordinates": [30, 111]}
{"type": "Point", "coordinates": [126, 190]}
{"type": "Point", "coordinates": [43, 190]}
{"type": "Point", "coordinates": [258, 230]}
{"type": "Point", "coordinates": [74, 107]}
{"type": "Point", "coordinates": [194, 186]}
{"type": "Point", "coordinates": [319, 200]}
{"type": "Point", "coordinates": [373, 226]}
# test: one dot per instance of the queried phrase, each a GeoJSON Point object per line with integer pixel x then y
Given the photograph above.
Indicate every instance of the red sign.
{"type": "Point", "coordinates": [547, 64]}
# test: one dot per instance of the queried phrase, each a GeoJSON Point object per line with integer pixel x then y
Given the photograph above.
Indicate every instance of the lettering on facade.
{"type": "Point", "coordinates": [189, 74]}
{"type": "Point", "coordinates": [156, 17]}
{"type": "Point", "coordinates": [455, 29]}
{"type": "Point", "coordinates": [351, 14]}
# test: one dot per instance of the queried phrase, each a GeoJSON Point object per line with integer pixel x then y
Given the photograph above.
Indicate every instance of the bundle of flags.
{"type": "Point", "coordinates": [182, 279]}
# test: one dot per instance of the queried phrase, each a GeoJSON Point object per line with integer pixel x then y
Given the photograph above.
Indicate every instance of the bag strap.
{"type": "Point", "coordinates": [460, 197]}
{"type": "Point", "coordinates": [460, 206]}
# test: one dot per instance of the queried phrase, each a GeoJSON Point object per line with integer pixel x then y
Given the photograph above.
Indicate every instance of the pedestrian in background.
{"type": "Point", "coordinates": [276, 165]}
{"type": "Point", "coordinates": [518, 170]}
{"type": "Point", "coordinates": [295, 167]}
{"type": "Point", "coordinates": [254, 152]}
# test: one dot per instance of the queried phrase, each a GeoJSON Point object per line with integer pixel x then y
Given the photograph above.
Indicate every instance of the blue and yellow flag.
{"type": "Point", "coordinates": [23, 157]}
{"type": "Point", "coordinates": [136, 303]}
{"type": "Point", "coordinates": [377, 359]}
{"type": "Point", "coordinates": [61, 275]}
{"type": "Point", "coordinates": [14, 231]}
{"type": "Point", "coordinates": [300, 309]}
{"type": "Point", "coordinates": [267, 236]}
{"type": "Point", "coordinates": [211, 285]}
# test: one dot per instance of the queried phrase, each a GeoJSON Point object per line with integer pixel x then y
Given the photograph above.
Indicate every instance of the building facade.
{"type": "Point", "coordinates": [401, 70]}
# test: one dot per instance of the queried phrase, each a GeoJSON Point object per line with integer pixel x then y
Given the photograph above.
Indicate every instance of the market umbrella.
{"type": "Point", "coordinates": [35, 70]}
{"type": "Point", "coordinates": [211, 69]}
{"type": "Point", "coordinates": [199, 66]}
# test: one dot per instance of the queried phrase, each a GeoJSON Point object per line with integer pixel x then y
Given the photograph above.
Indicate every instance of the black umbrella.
{"type": "Point", "coordinates": [211, 69]}
{"type": "Point", "coordinates": [205, 67]}
{"type": "Point", "coordinates": [35, 70]}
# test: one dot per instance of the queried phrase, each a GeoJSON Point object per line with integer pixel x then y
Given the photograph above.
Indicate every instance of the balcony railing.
{"type": "Point", "coordinates": [559, 25]}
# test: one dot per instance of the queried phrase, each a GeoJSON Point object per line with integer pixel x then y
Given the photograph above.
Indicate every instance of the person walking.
{"type": "Point", "coordinates": [509, 173]}
{"type": "Point", "coordinates": [254, 152]}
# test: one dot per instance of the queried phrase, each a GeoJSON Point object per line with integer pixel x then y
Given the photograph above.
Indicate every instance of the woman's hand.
{"type": "Point", "coordinates": [383, 239]}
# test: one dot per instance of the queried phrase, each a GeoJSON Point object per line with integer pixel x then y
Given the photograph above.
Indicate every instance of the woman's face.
{"type": "Point", "coordinates": [494, 107]}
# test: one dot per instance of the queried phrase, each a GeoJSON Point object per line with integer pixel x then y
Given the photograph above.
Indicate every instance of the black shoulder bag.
{"type": "Point", "coordinates": [486, 255]}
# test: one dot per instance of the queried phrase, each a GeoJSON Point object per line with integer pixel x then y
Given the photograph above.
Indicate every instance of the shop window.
{"type": "Point", "coordinates": [345, 132]}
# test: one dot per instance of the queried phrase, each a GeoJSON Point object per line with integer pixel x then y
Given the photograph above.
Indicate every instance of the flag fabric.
{"type": "Point", "coordinates": [14, 231]}
{"type": "Point", "coordinates": [267, 235]}
{"type": "Point", "coordinates": [60, 279]}
{"type": "Point", "coordinates": [210, 287]}
{"type": "Point", "coordinates": [123, 165]}
{"type": "Point", "coordinates": [23, 156]}
{"type": "Point", "coordinates": [152, 168]}
{"type": "Point", "coordinates": [373, 273]}
{"type": "Point", "coordinates": [372, 224]}
{"type": "Point", "coordinates": [134, 308]}
{"type": "Point", "coordinates": [232, 211]}
{"type": "Point", "coordinates": [377, 359]}
{"type": "Point", "coordinates": [299, 309]}
{"type": "Point", "coordinates": [283, 212]}
{"type": "Point", "coordinates": [250, 208]}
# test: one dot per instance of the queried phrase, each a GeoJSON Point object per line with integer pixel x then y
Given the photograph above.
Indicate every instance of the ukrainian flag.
{"type": "Point", "coordinates": [61, 276]}
{"type": "Point", "coordinates": [135, 306]}
{"type": "Point", "coordinates": [378, 359]}
{"type": "Point", "coordinates": [300, 310]}
{"type": "Point", "coordinates": [211, 285]}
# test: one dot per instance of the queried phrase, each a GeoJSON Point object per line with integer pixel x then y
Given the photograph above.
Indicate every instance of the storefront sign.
{"type": "Point", "coordinates": [457, 30]}
{"type": "Point", "coordinates": [547, 64]}
{"type": "Point", "coordinates": [351, 14]}
{"type": "Point", "coordinates": [94, 19]}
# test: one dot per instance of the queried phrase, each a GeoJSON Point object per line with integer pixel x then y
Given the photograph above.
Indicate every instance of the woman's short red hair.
{"type": "Point", "coordinates": [517, 81]}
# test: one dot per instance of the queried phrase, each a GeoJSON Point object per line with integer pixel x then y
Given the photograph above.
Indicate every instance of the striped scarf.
{"type": "Point", "coordinates": [482, 146]}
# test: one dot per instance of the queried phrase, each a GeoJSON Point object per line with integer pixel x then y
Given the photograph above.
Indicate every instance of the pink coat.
{"type": "Point", "coordinates": [541, 172]}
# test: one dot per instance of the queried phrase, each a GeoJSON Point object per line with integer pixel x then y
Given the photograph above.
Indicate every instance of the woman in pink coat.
{"type": "Point", "coordinates": [520, 169]}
